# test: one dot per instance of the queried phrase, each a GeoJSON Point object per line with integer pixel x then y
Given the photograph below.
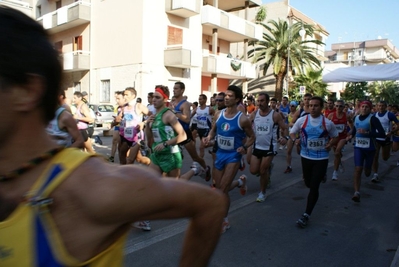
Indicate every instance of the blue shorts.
{"type": "Point", "coordinates": [363, 157]}
{"type": "Point", "coordinates": [223, 158]}
{"type": "Point", "coordinates": [395, 138]}
{"type": "Point", "coordinates": [116, 128]}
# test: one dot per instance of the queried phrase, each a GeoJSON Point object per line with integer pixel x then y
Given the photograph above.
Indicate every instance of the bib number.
{"type": "Point", "coordinates": [316, 144]}
{"type": "Point", "coordinates": [156, 135]}
{"type": "Point", "coordinates": [362, 142]}
{"type": "Point", "coordinates": [226, 143]}
{"type": "Point", "coordinates": [262, 129]}
{"type": "Point", "coordinates": [340, 127]}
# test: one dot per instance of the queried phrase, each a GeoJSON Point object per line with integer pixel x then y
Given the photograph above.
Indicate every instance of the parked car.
{"type": "Point", "coordinates": [104, 113]}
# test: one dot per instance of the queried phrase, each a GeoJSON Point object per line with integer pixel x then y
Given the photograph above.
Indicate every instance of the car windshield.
{"type": "Point", "coordinates": [106, 108]}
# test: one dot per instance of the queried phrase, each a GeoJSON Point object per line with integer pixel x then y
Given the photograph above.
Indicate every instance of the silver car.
{"type": "Point", "coordinates": [105, 113]}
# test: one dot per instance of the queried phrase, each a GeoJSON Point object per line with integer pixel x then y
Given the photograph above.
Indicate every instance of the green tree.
{"type": "Point", "coordinates": [386, 90]}
{"type": "Point", "coordinates": [261, 15]}
{"type": "Point", "coordinates": [272, 50]}
{"type": "Point", "coordinates": [312, 79]}
{"type": "Point", "coordinates": [355, 91]}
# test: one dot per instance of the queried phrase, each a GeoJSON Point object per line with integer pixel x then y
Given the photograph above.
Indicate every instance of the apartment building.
{"type": "Point", "coordinates": [370, 52]}
{"type": "Point", "coordinates": [108, 45]}
{"type": "Point", "coordinates": [275, 11]}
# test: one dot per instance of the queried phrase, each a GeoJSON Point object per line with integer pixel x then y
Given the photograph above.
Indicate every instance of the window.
{"type": "Point", "coordinates": [38, 11]}
{"type": "Point", "coordinates": [210, 49]}
{"type": "Point", "coordinates": [58, 4]}
{"type": "Point", "coordinates": [58, 47]}
{"type": "Point", "coordinates": [76, 87]}
{"type": "Point", "coordinates": [78, 43]}
{"type": "Point", "coordinates": [175, 36]}
{"type": "Point", "coordinates": [105, 91]}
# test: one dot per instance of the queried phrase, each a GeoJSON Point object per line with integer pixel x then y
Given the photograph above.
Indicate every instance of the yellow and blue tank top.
{"type": "Point", "coordinates": [29, 236]}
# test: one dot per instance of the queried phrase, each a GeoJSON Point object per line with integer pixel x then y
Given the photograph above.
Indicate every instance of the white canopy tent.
{"type": "Point", "coordinates": [382, 72]}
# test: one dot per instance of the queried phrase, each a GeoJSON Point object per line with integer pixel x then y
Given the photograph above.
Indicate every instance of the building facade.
{"type": "Point", "coordinates": [108, 45]}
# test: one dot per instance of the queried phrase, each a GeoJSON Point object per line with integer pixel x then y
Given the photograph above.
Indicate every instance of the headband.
{"type": "Point", "coordinates": [368, 103]}
{"type": "Point", "coordinates": [159, 90]}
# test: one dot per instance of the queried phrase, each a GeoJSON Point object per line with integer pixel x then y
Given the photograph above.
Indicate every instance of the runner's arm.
{"type": "Point", "coordinates": [135, 193]}
{"type": "Point", "coordinates": [249, 132]}
{"type": "Point", "coordinates": [185, 113]}
{"type": "Point", "coordinates": [171, 119]}
{"type": "Point", "coordinates": [68, 123]}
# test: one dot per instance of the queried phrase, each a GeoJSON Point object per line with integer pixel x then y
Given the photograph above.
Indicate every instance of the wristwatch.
{"type": "Point", "coordinates": [293, 140]}
{"type": "Point", "coordinates": [165, 144]}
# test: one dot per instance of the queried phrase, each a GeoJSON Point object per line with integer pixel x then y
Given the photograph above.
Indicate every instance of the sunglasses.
{"type": "Point", "coordinates": [293, 106]}
{"type": "Point", "coordinates": [219, 100]}
{"type": "Point", "coordinates": [339, 106]}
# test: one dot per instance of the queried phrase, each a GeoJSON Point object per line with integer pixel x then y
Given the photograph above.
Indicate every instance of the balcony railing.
{"type": "Point", "coordinates": [230, 27]}
{"type": "Point", "coordinates": [178, 58]}
{"type": "Point", "coordinates": [76, 61]}
{"type": "Point", "coordinates": [67, 17]}
{"type": "Point", "coordinates": [223, 67]}
{"type": "Point", "coordinates": [18, 5]}
{"type": "Point", "coordinates": [183, 8]}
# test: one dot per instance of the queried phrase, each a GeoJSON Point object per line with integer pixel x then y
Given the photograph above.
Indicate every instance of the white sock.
{"type": "Point", "coordinates": [240, 183]}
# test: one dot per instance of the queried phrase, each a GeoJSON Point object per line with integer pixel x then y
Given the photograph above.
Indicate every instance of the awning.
{"type": "Point", "coordinates": [382, 72]}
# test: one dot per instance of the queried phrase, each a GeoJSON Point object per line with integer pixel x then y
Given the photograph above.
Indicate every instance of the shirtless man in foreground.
{"type": "Point", "coordinates": [77, 187]}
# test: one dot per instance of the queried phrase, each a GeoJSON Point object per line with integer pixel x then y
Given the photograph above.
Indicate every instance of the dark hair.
{"type": "Point", "coordinates": [222, 94]}
{"type": "Point", "coordinates": [273, 99]}
{"type": "Point", "coordinates": [151, 94]}
{"type": "Point", "coordinates": [284, 97]}
{"type": "Point", "coordinates": [237, 91]}
{"type": "Point", "coordinates": [164, 89]}
{"type": "Point", "coordinates": [307, 94]}
{"type": "Point", "coordinates": [78, 94]}
{"type": "Point", "coordinates": [25, 49]}
{"type": "Point", "coordinates": [318, 98]}
{"type": "Point", "coordinates": [266, 95]}
{"type": "Point", "coordinates": [138, 100]}
{"type": "Point", "coordinates": [119, 92]}
{"type": "Point", "coordinates": [181, 84]}
{"type": "Point", "coordinates": [204, 96]}
{"type": "Point", "coordinates": [195, 103]}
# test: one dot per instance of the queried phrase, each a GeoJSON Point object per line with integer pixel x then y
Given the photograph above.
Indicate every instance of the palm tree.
{"type": "Point", "coordinates": [312, 80]}
{"type": "Point", "coordinates": [278, 38]}
{"type": "Point", "coordinates": [386, 90]}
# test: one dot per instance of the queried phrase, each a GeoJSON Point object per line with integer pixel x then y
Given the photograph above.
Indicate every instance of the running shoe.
{"type": "Point", "coordinates": [356, 197]}
{"type": "Point", "coordinates": [144, 225]}
{"type": "Point", "coordinates": [261, 197]}
{"type": "Point", "coordinates": [303, 221]}
{"type": "Point", "coordinates": [375, 178]}
{"type": "Point", "coordinates": [288, 170]}
{"type": "Point", "coordinates": [334, 176]}
{"type": "Point", "coordinates": [111, 159]}
{"type": "Point", "coordinates": [281, 147]}
{"type": "Point", "coordinates": [198, 170]}
{"type": "Point", "coordinates": [341, 168]}
{"type": "Point", "coordinates": [225, 226]}
{"type": "Point", "coordinates": [242, 164]}
{"type": "Point", "coordinates": [208, 173]}
{"type": "Point", "coordinates": [243, 187]}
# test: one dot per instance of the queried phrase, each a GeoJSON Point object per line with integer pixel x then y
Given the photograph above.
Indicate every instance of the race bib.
{"type": "Point", "coordinates": [226, 143]}
{"type": "Point", "coordinates": [174, 149]}
{"type": "Point", "coordinates": [262, 129]}
{"type": "Point", "coordinates": [340, 127]}
{"type": "Point", "coordinates": [201, 122]}
{"type": "Point", "coordinates": [317, 144]}
{"type": "Point", "coordinates": [128, 132]}
{"type": "Point", "coordinates": [386, 129]}
{"type": "Point", "coordinates": [362, 142]}
{"type": "Point", "coordinates": [156, 135]}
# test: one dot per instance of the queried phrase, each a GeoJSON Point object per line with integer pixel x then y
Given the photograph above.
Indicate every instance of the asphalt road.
{"type": "Point", "coordinates": [340, 232]}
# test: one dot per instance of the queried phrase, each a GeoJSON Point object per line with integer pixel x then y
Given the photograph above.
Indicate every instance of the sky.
{"type": "Point", "coordinates": [352, 20]}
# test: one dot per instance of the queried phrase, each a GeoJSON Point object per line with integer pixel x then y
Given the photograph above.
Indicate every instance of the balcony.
{"type": "Point", "coordinates": [234, 5]}
{"type": "Point", "coordinates": [18, 5]}
{"type": "Point", "coordinates": [222, 66]}
{"type": "Point", "coordinates": [66, 17]}
{"type": "Point", "coordinates": [230, 27]}
{"type": "Point", "coordinates": [178, 58]}
{"type": "Point", "coordinates": [76, 61]}
{"type": "Point", "coordinates": [183, 8]}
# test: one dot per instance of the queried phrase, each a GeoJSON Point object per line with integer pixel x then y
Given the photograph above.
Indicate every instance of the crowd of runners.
{"type": "Point", "coordinates": [62, 207]}
{"type": "Point", "coordinates": [232, 126]}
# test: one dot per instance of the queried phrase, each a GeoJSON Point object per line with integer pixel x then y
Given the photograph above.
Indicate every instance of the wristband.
{"type": "Point", "coordinates": [165, 144]}
{"type": "Point", "coordinates": [287, 137]}
{"type": "Point", "coordinates": [293, 140]}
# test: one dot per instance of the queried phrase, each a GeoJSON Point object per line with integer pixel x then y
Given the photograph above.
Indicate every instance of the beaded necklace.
{"type": "Point", "coordinates": [30, 164]}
